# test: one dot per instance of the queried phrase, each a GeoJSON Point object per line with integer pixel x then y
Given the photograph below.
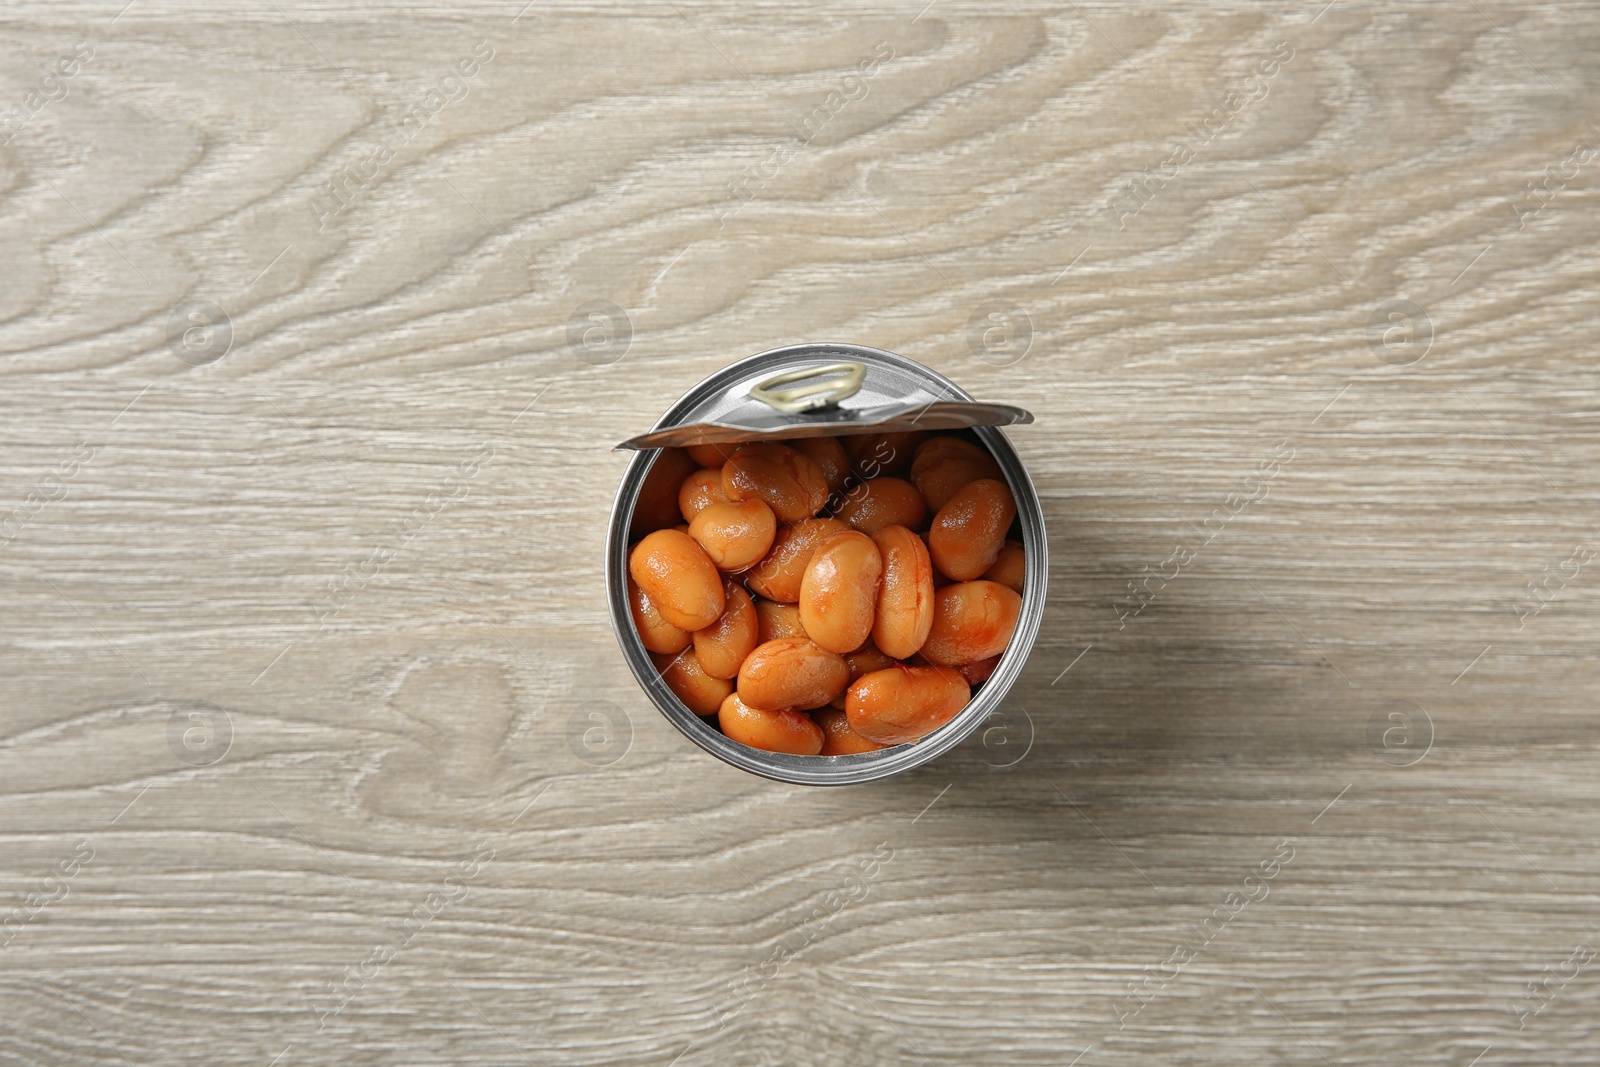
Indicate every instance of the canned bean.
{"type": "Point", "coordinates": [978, 671]}
{"type": "Point", "coordinates": [791, 673]}
{"type": "Point", "coordinates": [711, 456]}
{"type": "Point", "coordinates": [1010, 567]}
{"type": "Point", "coordinates": [838, 737]}
{"type": "Point", "coordinates": [864, 660]}
{"type": "Point", "coordinates": [874, 455]}
{"type": "Point", "coordinates": [773, 731]}
{"type": "Point", "coordinates": [905, 599]}
{"type": "Point", "coordinates": [839, 591]}
{"type": "Point", "coordinates": [722, 646]}
{"type": "Point", "coordinates": [775, 620]}
{"type": "Point", "coordinates": [970, 530]}
{"type": "Point", "coordinates": [657, 634]}
{"type": "Point", "coordinates": [683, 674]}
{"type": "Point", "coordinates": [678, 577]}
{"type": "Point", "coordinates": [829, 456]}
{"type": "Point", "coordinates": [786, 481]}
{"type": "Point", "coordinates": [778, 575]}
{"type": "Point", "coordinates": [699, 489]}
{"type": "Point", "coordinates": [944, 464]}
{"type": "Point", "coordinates": [734, 535]}
{"type": "Point", "coordinates": [971, 621]}
{"type": "Point", "coordinates": [903, 704]}
{"type": "Point", "coordinates": [880, 502]}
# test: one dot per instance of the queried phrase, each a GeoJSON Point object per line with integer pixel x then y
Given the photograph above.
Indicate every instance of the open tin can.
{"type": "Point", "coordinates": [855, 390]}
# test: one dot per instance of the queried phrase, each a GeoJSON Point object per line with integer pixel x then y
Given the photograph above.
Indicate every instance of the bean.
{"type": "Point", "coordinates": [679, 578]}
{"type": "Point", "coordinates": [829, 456]}
{"type": "Point", "coordinates": [940, 578]}
{"type": "Point", "coordinates": [787, 481]}
{"type": "Point", "coordinates": [683, 674]}
{"type": "Point", "coordinates": [712, 455]}
{"type": "Point", "coordinates": [734, 535]}
{"type": "Point", "coordinates": [1010, 567]}
{"type": "Point", "coordinates": [699, 489]}
{"type": "Point", "coordinates": [971, 621]}
{"type": "Point", "coordinates": [657, 506]}
{"type": "Point", "coordinates": [980, 670]}
{"type": "Point", "coordinates": [723, 645]}
{"type": "Point", "coordinates": [875, 454]}
{"type": "Point", "coordinates": [838, 739]}
{"type": "Point", "coordinates": [778, 575]}
{"type": "Point", "coordinates": [903, 704]}
{"type": "Point", "coordinates": [872, 505]}
{"type": "Point", "coordinates": [905, 600]}
{"type": "Point", "coordinates": [969, 531]}
{"type": "Point", "coordinates": [944, 464]}
{"type": "Point", "coordinates": [839, 591]}
{"type": "Point", "coordinates": [791, 673]}
{"type": "Point", "coordinates": [774, 731]}
{"type": "Point", "coordinates": [655, 633]}
{"type": "Point", "coordinates": [864, 660]}
{"type": "Point", "coordinates": [774, 620]}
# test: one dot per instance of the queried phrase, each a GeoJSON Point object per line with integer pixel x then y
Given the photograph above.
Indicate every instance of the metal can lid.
{"type": "Point", "coordinates": [845, 397]}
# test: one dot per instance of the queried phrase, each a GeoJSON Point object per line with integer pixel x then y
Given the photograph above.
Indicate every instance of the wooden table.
{"type": "Point", "coordinates": [319, 324]}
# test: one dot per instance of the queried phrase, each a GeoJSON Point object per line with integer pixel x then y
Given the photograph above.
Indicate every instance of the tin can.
{"type": "Point", "coordinates": [888, 377]}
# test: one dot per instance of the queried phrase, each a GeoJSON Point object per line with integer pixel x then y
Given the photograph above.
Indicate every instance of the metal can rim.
{"type": "Point", "coordinates": [829, 770]}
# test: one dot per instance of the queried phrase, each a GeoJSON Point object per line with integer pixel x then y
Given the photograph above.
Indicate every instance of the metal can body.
{"type": "Point", "coordinates": [893, 377]}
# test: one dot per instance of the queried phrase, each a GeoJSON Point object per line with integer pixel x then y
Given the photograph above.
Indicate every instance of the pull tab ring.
{"type": "Point", "coordinates": [845, 382]}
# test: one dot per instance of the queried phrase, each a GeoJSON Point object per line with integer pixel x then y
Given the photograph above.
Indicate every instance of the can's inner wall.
{"type": "Point", "coordinates": [720, 391]}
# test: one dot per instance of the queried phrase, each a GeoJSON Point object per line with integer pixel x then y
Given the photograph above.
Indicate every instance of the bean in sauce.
{"type": "Point", "coordinates": [944, 464]}
{"type": "Point", "coordinates": [734, 535]}
{"type": "Point", "coordinates": [903, 704]}
{"type": "Point", "coordinates": [791, 673]}
{"type": "Point", "coordinates": [971, 621]}
{"type": "Point", "coordinates": [723, 646]}
{"type": "Point", "coordinates": [655, 633]}
{"type": "Point", "coordinates": [775, 620]}
{"type": "Point", "coordinates": [788, 482]}
{"type": "Point", "coordinates": [678, 577]}
{"type": "Point", "coordinates": [793, 732]}
{"type": "Point", "coordinates": [839, 592]}
{"type": "Point", "coordinates": [1010, 567]}
{"type": "Point", "coordinates": [970, 530]}
{"type": "Point", "coordinates": [778, 575]}
{"type": "Point", "coordinates": [838, 738]}
{"type": "Point", "coordinates": [905, 600]}
{"type": "Point", "coordinates": [880, 502]}
{"type": "Point", "coordinates": [683, 674]}
{"type": "Point", "coordinates": [699, 489]}
{"type": "Point", "coordinates": [829, 456]}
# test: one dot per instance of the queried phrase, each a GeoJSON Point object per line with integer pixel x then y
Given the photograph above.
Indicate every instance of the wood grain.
{"type": "Point", "coordinates": [303, 639]}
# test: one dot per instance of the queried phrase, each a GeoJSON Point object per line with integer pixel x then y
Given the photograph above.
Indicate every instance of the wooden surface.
{"type": "Point", "coordinates": [317, 747]}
